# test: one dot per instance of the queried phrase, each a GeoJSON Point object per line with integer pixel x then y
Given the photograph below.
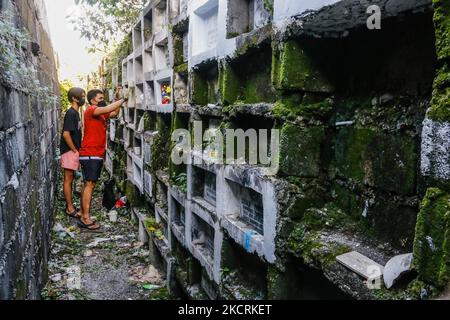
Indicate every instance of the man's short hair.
{"type": "Point", "coordinates": [92, 94]}
{"type": "Point", "coordinates": [76, 93]}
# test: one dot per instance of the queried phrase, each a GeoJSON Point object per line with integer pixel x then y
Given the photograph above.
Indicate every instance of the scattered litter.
{"type": "Point", "coordinates": [88, 253]}
{"type": "Point", "coordinates": [143, 274]}
{"type": "Point", "coordinates": [121, 203]}
{"type": "Point", "coordinates": [56, 278]}
{"type": "Point", "coordinates": [362, 265]}
{"type": "Point", "coordinates": [396, 268]}
{"type": "Point", "coordinates": [97, 241]}
{"type": "Point", "coordinates": [344, 123]}
{"type": "Point", "coordinates": [151, 287]}
{"type": "Point", "coordinates": [113, 216]}
{"type": "Point", "coordinates": [62, 232]}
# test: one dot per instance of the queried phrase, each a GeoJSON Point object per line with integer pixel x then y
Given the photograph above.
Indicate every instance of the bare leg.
{"type": "Point", "coordinates": [86, 198]}
{"type": "Point", "coordinates": [67, 188]}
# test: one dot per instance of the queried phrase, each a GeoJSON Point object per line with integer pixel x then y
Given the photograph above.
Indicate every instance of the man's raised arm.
{"type": "Point", "coordinates": [111, 108]}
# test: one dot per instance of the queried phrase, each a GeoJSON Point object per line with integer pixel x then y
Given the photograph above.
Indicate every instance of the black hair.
{"type": "Point", "coordinates": [92, 94]}
{"type": "Point", "coordinates": [75, 93]}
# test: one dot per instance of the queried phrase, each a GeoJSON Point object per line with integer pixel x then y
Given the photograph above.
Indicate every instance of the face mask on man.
{"type": "Point", "coordinates": [102, 104]}
{"type": "Point", "coordinates": [81, 102]}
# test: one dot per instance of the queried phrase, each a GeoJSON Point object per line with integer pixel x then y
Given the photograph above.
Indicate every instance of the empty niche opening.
{"type": "Point", "coordinates": [179, 215]}
{"type": "Point", "coordinates": [137, 146]}
{"type": "Point", "coordinates": [300, 282]}
{"type": "Point", "coordinates": [137, 36]}
{"type": "Point", "coordinates": [204, 185]}
{"type": "Point", "coordinates": [180, 47]}
{"type": "Point", "coordinates": [139, 95]}
{"type": "Point", "coordinates": [148, 183]}
{"type": "Point", "coordinates": [149, 90]}
{"type": "Point", "coordinates": [161, 195]}
{"type": "Point", "coordinates": [258, 136]}
{"type": "Point", "coordinates": [249, 205]}
{"type": "Point", "coordinates": [243, 274]}
{"type": "Point", "coordinates": [208, 286]}
{"type": "Point", "coordinates": [131, 114]}
{"type": "Point", "coordinates": [162, 56]}
{"type": "Point", "coordinates": [139, 70]}
{"type": "Point", "coordinates": [203, 237]}
{"type": "Point", "coordinates": [174, 8]}
{"type": "Point", "coordinates": [137, 174]}
{"type": "Point", "coordinates": [148, 25]}
{"type": "Point", "coordinates": [129, 166]}
{"type": "Point", "coordinates": [181, 88]}
{"type": "Point", "coordinates": [130, 73]}
{"type": "Point", "coordinates": [164, 226]}
{"type": "Point", "coordinates": [164, 92]}
{"type": "Point", "coordinates": [160, 16]}
{"type": "Point", "coordinates": [188, 271]}
{"type": "Point", "coordinates": [248, 78]}
{"type": "Point", "coordinates": [206, 84]}
{"type": "Point", "coordinates": [148, 61]}
{"type": "Point", "coordinates": [124, 74]}
{"type": "Point", "coordinates": [240, 17]}
{"type": "Point", "coordinates": [369, 63]}
{"type": "Point", "coordinates": [179, 172]}
{"type": "Point", "coordinates": [205, 27]}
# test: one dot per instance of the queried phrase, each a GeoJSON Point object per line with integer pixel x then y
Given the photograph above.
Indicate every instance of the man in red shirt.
{"type": "Point", "coordinates": [93, 149]}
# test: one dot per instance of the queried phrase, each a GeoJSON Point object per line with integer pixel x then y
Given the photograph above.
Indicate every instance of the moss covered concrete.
{"type": "Point", "coordinates": [432, 241]}
{"type": "Point", "coordinates": [300, 150]}
{"type": "Point", "coordinates": [293, 69]}
{"type": "Point", "coordinates": [372, 157]}
{"type": "Point", "coordinates": [442, 27]}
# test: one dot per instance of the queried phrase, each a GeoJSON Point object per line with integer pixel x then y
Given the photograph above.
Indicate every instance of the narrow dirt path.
{"type": "Point", "coordinates": [112, 265]}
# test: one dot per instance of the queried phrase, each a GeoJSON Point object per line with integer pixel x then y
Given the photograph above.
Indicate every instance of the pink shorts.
{"type": "Point", "coordinates": [70, 161]}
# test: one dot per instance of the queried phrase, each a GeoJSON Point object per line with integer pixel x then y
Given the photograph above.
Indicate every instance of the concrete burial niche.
{"type": "Point", "coordinates": [149, 93]}
{"type": "Point", "coordinates": [147, 28]}
{"type": "Point", "coordinates": [159, 16]}
{"type": "Point", "coordinates": [240, 17]}
{"type": "Point", "coordinates": [244, 275]}
{"type": "Point", "coordinates": [204, 26]}
{"type": "Point", "coordinates": [204, 84]}
{"type": "Point", "coordinates": [148, 184]}
{"type": "Point", "coordinates": [137, 37]}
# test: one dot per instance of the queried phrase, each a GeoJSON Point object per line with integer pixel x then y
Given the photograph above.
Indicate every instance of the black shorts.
{"type": "Point", "coordinates": [91, 167]}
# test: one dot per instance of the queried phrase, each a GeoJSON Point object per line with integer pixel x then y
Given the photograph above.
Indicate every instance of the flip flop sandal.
{"type": "Point", "coordinates": [82, 225]}
{"type": "Point", "coordinates": [74, 214]}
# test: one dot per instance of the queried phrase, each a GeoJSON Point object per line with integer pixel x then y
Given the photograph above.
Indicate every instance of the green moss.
{"type": "Point", "coordinates": [229, 84]}
{"type": "Point", "coordinates": [268, 5]}
{"type": "Point", "coordinates": [306, 241]}
{"type": "Point", "coordinates": [432, 241]}
{"type": "Point", "coordinates": [442, 27]}
{"type": "Point", "coordinates": [178, 49]}
{"type": "Point", "coordinates": [199, 89]}
{"type": "Point", "coordinates": [294, 70]}
{"type": "Point", "coordinates": [161, 146]}
{"type": "Point", "coordinates": [292, 107]}
{"type": "Point", "coordinates": [181, 69]}
{"type": "Point", "coordinates": [300, 150]}
{"type": "Point", "coordinates": [440, 104]}
{"type": "Point", "coordinates": [377, 159]}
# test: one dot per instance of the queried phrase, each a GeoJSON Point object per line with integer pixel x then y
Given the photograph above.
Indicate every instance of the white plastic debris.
{"type": "Point", "coordinates": [396, 267]}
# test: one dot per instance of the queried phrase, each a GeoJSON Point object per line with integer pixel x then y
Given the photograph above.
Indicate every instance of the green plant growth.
{"type": "Point", "coordinates": [432, 241]}
{"type": "Point", "coordinates": [14, 71]}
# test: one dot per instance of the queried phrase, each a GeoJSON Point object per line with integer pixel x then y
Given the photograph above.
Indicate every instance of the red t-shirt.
{"type": "Point", "coordinates": [94, 140]}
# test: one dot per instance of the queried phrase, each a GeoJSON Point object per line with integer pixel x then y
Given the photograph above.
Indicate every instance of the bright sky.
{"type": "Point", "coordinates": [70, 47]}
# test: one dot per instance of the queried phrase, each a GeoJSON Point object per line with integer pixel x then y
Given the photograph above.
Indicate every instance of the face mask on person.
{"type": "Point", "coordinates": [102, 104]}
{"type": "Point", "coordinates": [81, 102]}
